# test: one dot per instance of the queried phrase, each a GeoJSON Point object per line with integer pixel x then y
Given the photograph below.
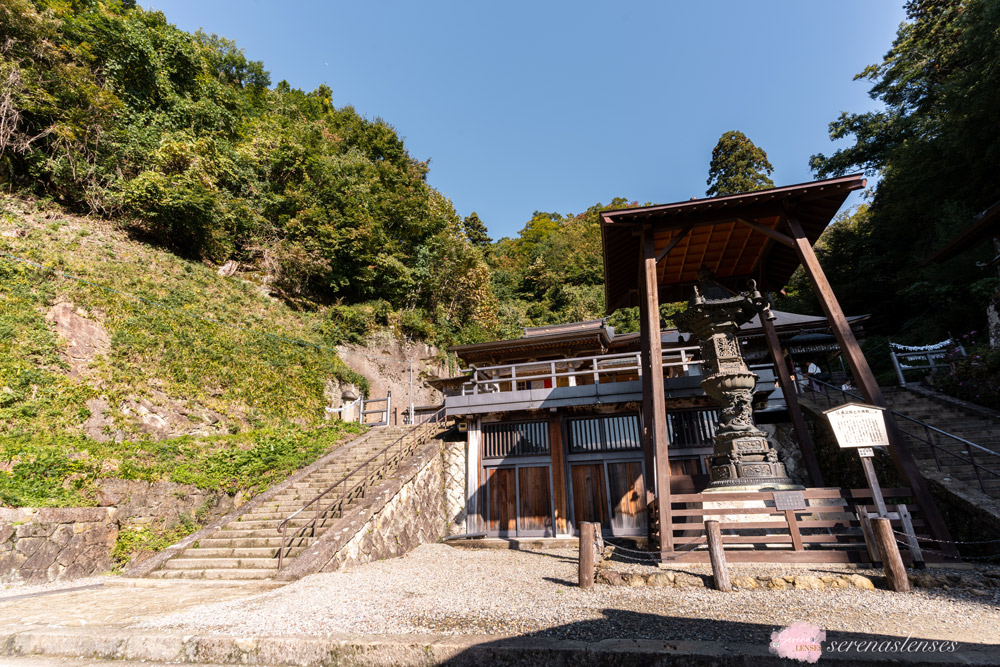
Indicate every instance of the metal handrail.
{"type": "Point", "coordinates": [418, 432]}
{"type": "Point", "coordinates": [928, 430]}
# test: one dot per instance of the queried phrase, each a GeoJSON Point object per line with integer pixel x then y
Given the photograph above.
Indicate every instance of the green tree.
{"type": "Point", "coordinates": [935, 145]}
{"type": "Point", "coordinates": [737, 166]}
{"type": "Point", "coordinates": [475, 231]}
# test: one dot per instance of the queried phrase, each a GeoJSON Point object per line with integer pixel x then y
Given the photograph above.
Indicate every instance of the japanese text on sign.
{"type": "Point", "coordinates": [858, 426]}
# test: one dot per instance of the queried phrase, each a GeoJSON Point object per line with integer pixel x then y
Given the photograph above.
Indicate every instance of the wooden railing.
{"type": "Point", "coordinates": [595, 369]}
{"type": "Point", "coordinates": [830, 528]}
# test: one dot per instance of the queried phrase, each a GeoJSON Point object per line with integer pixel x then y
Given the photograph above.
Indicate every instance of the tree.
{"type": "Point", "coordinates": [935, 145]}
{"type": "Point", "coordinates": [475, 231]}
{"type": "Point", "coordinates": [737, 166]}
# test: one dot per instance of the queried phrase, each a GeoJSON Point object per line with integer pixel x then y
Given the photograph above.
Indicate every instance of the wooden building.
{"type": "Point", "coordinates": [573, 423]}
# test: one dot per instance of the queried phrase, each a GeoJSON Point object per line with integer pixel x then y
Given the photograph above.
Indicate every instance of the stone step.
{"type": "Point", "coordinates": [182, 562]}
{"type": "Point", "coordinates": [239, 573]}
{"type": "Point", "coordinates": [273, 541]}
{"type": "Point", "coordinates": [239, 552]}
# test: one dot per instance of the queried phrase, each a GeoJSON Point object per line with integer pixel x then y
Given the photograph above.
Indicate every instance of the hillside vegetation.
{"type": "Point", "coordinates": [189, 361]}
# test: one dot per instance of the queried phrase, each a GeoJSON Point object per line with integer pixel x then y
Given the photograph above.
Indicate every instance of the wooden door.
{"type": "Point", "coordinates": [628, 493]}
{"type": "Point", "coordinates": [502, 501]}
{"type": "Point", "coordinates": [589, 499]}
{"type": "Point", "coordinates": [535, 501]}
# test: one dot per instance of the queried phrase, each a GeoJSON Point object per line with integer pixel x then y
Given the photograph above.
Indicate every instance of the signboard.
{"type": "Point", "coordinates": [858, 425]}
{"type": "Point", "coordinates": [790, 500]}
{"type": "Point", "coordinates": [866, 452]}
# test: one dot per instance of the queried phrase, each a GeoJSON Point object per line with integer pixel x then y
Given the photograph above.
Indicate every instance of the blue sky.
{"type": "Point", "coordinates": [555, 106]}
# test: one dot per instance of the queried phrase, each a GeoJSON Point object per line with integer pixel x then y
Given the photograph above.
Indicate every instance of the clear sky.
{"type": "Point", "coordinates": [556, 106]}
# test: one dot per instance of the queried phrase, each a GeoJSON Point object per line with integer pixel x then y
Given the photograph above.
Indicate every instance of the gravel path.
{"type": "Point", "coordinates": [440, 589]}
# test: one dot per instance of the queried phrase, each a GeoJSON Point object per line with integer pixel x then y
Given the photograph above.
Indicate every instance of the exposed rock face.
{"type": "Point", "coordinates": [385, 362]}
{"type": "Point", "coordinates": [86, 337]}
{"type": "Point", "coordinates": [785, 442]}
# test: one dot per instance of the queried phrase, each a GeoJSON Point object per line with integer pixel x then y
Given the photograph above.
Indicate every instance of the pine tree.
{"type": "Point", "coordinates": [737, 166]}
{"type": "Point", "coordinates": [475, 231]}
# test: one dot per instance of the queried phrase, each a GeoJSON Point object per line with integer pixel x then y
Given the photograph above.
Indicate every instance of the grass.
{"type": "Point", "coordinates": [259, 400]}
{"type": "Point", "coordinates": [62, 471]}
{"type": "Point", "coordinates": [230, 369]}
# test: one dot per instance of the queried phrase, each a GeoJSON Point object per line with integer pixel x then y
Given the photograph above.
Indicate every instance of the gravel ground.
{"type": "Point", "coordinates": [440, 589]}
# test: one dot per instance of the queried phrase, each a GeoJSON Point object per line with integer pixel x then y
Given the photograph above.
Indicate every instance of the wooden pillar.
{"type": "Point", "coordinates": [717, 554]}
{"type": "Point", "coordinates": [558, 477]}
{"type": "Point", "coordinates": [585, 576]}
{"type": "Point", "coordinates": [654, 402]}
{"type": "Point", "coordinates": [865, 378]}
{"type": "Point", "coordinates": [892, 561]}
{"type": "Point", "coordinates": [792, 401]}
{"type": "Point", "coordinates": [474, 489]}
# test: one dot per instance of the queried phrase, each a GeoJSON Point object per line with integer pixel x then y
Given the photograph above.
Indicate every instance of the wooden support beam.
{"type": "Point", "coordinates": [792, 401]}
{"type": "Point", "coordinates": [895, 571]}
{"type": "Point", "coordinates": [767, 231]}
{"type": "Point", "coordinates": [586, 570]}
{"type": "Point", "coordinates": [654, 399]}
{"type": "Point", "coordinates": [866, 379]}
{"type": "Point", "coordinates": [558, 477]}
{"type": "Point", "coordinates": [673, 243]}
{"type": "Point", "coordinates": [717, 553]}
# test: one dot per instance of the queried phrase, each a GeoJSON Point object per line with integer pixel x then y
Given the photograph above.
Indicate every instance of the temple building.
{"type": "Point", "coordinates": [576, 422]}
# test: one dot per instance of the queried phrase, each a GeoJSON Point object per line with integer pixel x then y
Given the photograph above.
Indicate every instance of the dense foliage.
{"type": "Point", "coordinates": [936, 146]}
{"type": "Point", "coordinates": [107, 108]}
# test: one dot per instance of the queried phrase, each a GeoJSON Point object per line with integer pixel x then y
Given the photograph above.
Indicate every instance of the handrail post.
{"type": "Point", "coordinates": [281, 547]}
{"type": "Point", "coordinates": [597, 377]}
{"type": "Point", "coordinates": [930, 441]}
{"type": "Point", "coordinates": [975, 468]}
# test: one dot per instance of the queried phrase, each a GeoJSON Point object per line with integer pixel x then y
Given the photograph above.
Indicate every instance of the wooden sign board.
{"type": "Point", "coordinates": [858, 425]}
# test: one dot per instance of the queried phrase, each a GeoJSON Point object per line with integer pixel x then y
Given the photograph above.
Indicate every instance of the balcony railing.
{"type": "Point", "coordinates": [578, 371]}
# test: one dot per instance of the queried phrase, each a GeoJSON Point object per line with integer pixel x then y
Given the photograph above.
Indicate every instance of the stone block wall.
{"type": "Point", "coordinates": [453, 457]}
{"type": "Point", "coordinates": [56, 543]}
{"type": "Point", "coordinates": [784, 440]}
{"type": "Point", "coordinates": [406, 511]}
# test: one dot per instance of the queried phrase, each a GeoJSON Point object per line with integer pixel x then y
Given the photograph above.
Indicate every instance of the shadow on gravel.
{"type": "Point", "coordinates": [626, 638]}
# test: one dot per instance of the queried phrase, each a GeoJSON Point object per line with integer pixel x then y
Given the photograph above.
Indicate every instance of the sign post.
{"type": "Point", "coordinates": [862, 427]}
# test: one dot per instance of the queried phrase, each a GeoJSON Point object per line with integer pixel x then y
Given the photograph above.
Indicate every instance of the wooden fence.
{"type": "Point", "coordinates": [821, 525]}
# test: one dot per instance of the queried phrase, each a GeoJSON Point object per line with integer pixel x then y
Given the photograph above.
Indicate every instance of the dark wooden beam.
{"type": "Point", "coordinates": [655, 408]}
{"type": "Point", "coordinates": [673, 243]}
{"type": "Point", "coordinates": [558, 477]}
{"type": "Point", "coordinates": [865, 378]}
{"type": "Point", "coordinates": [767, 231]}
{"type": "Point", "coordinates": [792, 401]}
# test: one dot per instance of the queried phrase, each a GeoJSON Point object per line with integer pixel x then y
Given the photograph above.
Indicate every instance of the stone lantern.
{"type": "Point", "coordinates": [742, 456]}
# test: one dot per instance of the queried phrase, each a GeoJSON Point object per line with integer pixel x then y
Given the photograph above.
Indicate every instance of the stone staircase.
{"type": "Point", "coordinates": [247, 547]}
{"type": "Point", "coordinates": [966, 423]}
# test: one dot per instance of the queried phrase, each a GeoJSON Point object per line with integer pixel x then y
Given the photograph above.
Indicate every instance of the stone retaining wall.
{"type": "Point", "coordinates": [454, 486]}
{"type": "Point", "coordinates": [412, 515]}
{"type": "Point", "coordinates": [53, 543]}
{"type": "Point", "coordinates": [399, 514]}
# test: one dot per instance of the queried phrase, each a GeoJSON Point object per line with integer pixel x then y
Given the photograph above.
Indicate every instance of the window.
{"type": "Point", "coordinates": [504, 439]}
{"type": "Point", "coordinates": [611, 433]}
{"type": "Point", "coordinates": [692, 428]}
